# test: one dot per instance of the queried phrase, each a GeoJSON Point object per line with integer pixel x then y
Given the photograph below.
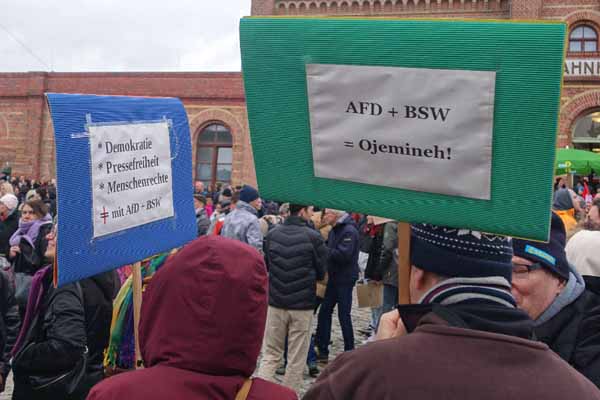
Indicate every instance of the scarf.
{"type": "Point", "coordinates": [494, 289]}
{"type": "Point", "coordinates": [121, 348]}
{"type": "Point", "coordinates": [29, 230]}
{"type": "Point", "coordinates": [34, 301]}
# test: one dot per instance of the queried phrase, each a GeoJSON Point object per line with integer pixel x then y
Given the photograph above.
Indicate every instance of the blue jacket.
{"type": "Point", "coordinates": [343, 252]}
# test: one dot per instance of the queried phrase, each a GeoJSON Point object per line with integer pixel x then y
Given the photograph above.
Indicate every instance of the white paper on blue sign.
{"type": "Point", "coordinates": [132, 183]}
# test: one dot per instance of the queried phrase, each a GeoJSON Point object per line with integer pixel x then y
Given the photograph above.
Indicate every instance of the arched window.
{"type": "Point", "coordinates": [586, 133]}
{"type": "Point", "coordinates": [583, 39]}
{"type": "Point", "coordinates": [214, 155]}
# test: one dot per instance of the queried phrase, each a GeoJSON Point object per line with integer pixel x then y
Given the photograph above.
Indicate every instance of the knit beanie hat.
{"type": "Point", "coordinates": [248, 194]}
{"type": "Point", "coordinates": [10, 201]}
{"type": "Point", "coordinates": [550, 255]}
{"type": "Point", "coordinates": [464, 253]}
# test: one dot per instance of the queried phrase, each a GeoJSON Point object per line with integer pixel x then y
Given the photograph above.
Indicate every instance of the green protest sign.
{"type": "Point", "coordinates": [445, 122]}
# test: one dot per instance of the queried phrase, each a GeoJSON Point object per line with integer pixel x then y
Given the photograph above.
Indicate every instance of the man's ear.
{"type": "Point", "coordinates": [417, 278]}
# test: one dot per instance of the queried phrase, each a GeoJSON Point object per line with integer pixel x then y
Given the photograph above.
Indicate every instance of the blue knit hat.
{"type": "Point", "coordinates": [551, 255]}
{"type": "Point", "coordinates": [248, 194]}
{"type": "Point", "coordinates": [453, 252]}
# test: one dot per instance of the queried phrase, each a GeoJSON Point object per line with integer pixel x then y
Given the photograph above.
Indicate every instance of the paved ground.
{"type": "Point", "coordinates": [8, 390]}
{"type": "Point", "coordinates": [360, 320]}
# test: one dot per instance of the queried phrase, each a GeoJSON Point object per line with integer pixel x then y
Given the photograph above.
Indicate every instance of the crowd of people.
{"type": "Point", "coordinates": [236, 307]}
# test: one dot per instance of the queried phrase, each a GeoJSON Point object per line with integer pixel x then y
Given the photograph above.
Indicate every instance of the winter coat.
{"type": "Point", "coordinates": [10, 322]}
{"type": "Point", "coordinates": [296, 259]}
{"type": "Point", "coordinates": [374, 238]}
{"type": "Point", "coordinates": [31, 259]}
{"type": "Point", "coordinates": [242, 224]}
{"type": "Point", "coordinates": [574, 333]}
{"type": "Point", "coordinates": [342, 263]}
{"type": "Point", "coordinates": [221, 286]}
{"type": "Point", "coordinates": [466, 359]}
{"type": "Point", "coordinates": [55, 342]}
{"type": "Point", "coordinates": [99, 292]}
{"type": "Point", "coordinates": [388, 262]}
{"type": "Point", "coordinates": [202, 221]}
{"type": "Point", "coordinates": [7, 228]}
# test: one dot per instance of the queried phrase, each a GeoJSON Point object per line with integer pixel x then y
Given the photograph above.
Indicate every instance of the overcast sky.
{"type": "Point", "coordinates": [120, 35]}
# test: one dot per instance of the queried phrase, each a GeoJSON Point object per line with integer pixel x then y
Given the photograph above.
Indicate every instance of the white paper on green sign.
{"type": "Point", "coordinates": [427, 130]}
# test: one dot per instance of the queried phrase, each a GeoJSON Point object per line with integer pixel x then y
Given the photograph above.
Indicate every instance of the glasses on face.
{"type": "Point", "coordinates": [521, 271]}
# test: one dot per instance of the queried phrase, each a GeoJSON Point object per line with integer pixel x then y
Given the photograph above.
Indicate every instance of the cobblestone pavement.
{"type": "Point", "coordinates": [360, 321]}
{"type": "Point", "coordinates": [8, 389]}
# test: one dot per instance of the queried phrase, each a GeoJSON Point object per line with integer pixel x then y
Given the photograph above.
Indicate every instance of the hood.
{"type": "Point", "coordinates": [344, 219]}
{"type": "Point", "coordinates": [205, 310]}
{"type": "Point", "coordinates": [477, 315]}
{"type": "Point", "coordinates": [563, 200]}
{"type": "Point", "coordinates": [242, 205]}
{"type": "Point", "coordinates": [108, 283]}
{"type": "Point", "coordinates": [582, 251]}
{"type": "Point", "coordinates": [571, 292]}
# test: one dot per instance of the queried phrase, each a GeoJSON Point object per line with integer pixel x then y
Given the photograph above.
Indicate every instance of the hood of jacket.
{"type": "Point", "coordinates": [205, 310]}
{"type": "Point", "coordinates": [572, 290]}
{"type": "Point", "coordinates": [108, 283]}
{"type": "Point", "coordinates": [478, 315]}
{"type": "Point", "coordinates": [344, 219]}
{"type": "Point", "coordinates": [242, 205]}
{"type": "Point", "coordinates": [563, 200]}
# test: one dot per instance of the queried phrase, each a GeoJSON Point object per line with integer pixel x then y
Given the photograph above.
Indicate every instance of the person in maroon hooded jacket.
{"type": "Point", "coordinates": [201, 328]}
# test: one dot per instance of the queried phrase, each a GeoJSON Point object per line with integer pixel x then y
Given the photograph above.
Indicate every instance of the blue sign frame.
{"type": "Point", "coordinates": [79, 255]}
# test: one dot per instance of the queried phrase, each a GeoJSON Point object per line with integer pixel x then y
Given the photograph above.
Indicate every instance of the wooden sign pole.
{"type": "Point", "coordinates": [137, 308]}
{"type": "Point", "coordinates": [403, 263]}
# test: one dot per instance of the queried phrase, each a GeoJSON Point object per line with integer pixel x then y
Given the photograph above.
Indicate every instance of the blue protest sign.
{"type": "Point", "coordinates": [124, 175]}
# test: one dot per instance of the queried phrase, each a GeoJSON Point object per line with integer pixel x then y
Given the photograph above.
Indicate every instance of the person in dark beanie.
{"type": "Point", "coordinates": [564, 305]}
{"type": "Point", "coordinates": [242, 223]}
{"type": "Point", "coordinates": [462, 338]}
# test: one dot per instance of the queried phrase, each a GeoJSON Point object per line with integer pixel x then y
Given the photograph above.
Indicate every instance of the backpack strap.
{"type": "Point", "coordinates": [245, 390]}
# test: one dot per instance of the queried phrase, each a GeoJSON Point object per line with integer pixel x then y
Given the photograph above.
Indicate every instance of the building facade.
{"type": "Point", "coordinates": [580, 103]}
{"type": "Point", "coordinates": [215, 102]}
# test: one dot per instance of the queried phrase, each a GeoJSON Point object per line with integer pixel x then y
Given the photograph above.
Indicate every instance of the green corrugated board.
{"type": "Point", "coordinates": [527, 56]}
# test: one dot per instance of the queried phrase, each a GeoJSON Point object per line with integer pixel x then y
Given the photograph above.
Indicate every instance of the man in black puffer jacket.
{"type": "Point", "coordinates": [296, 257]}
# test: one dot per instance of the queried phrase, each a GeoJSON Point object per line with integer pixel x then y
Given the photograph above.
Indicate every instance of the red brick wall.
{"type": "Point", "coordinates": [26, 135]}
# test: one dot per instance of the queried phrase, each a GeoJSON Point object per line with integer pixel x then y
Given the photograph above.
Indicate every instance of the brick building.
{"type": "Point", "coordinates": [215, 101]}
